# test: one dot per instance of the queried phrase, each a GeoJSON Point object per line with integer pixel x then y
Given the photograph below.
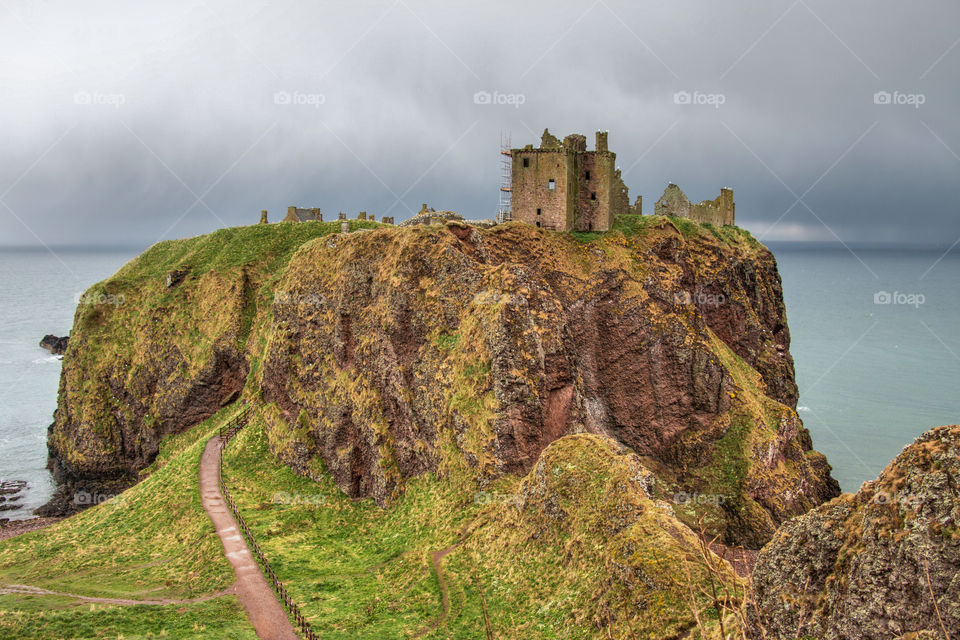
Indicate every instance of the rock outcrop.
{"type": "Point", "coordinates": [11, 492]}
{"type": "Point", "coordinates": [53, 344]}
{"type": "Point", "coordinates": [492, 344]}
{"type": "Point", "coordinates": [590, 501]}
{"type": "Point", "coordinates": [431, 217]}
{"type": "Point", "coordinates": [881, 563]}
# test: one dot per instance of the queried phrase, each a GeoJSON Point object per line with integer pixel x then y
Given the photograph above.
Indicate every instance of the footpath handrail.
{"type": "Point", "coordinates": [226, 434]}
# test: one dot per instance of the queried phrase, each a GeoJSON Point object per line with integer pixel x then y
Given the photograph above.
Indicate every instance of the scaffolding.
{"type": "Point", "coordinates": [505, 211]}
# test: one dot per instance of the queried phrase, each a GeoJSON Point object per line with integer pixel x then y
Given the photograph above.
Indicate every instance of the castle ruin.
{"type": "Point", "coordinates": [719, 211]}
{"type": "Point", "coordinates": [563, 187]}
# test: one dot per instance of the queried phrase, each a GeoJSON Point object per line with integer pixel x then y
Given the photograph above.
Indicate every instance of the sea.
{"type": "Point", "coordinates": [876, 342]}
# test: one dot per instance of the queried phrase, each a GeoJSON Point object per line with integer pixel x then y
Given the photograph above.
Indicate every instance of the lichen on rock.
{"type": "Point", "coordinates": [881, 563]}
{"type": "Point", "coordinates": [502, 341]}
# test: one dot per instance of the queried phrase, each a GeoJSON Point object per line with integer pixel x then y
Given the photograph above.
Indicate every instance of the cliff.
{"type": "Point", "coordinates": [387, 353]}
{"type": "Point", "coordinates": [158, 347]}
{"type": "Point", "coordinates": [881, 563]}
{"type": "Point", "coordinates": [496, 343]}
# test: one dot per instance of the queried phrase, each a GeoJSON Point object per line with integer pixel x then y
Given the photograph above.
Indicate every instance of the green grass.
{"type": "Point", "coordinates": [268, 244]}
{"type": "Point", "coordinates": [359, 571]}
{"type": "Point", "coordinates": [153, 541]}
{"type": "Point", "coordinates": [632, 225]}
{"type": "Point", "coordinates": [45, 617]}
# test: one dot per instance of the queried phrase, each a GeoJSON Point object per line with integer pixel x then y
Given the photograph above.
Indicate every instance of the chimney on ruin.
{"type": "Point", "coordinates": [602, 142]}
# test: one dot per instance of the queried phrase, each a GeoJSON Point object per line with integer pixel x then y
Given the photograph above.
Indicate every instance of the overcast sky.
{"type": "Point", "coordinates": [126, 124]}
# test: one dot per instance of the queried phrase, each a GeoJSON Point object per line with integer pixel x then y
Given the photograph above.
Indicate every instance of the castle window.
{"type": "Point", "coordinates": [551, 184]}
{"type": "Point", "coordinates": [538, 211]}
{"type": "Point", "coordinates": [593, 195]}
{"type": "Point", "coordinates": [588, 175]}
{"type": "Point", "coordinates": [526, 162]}
{"type": "Point", "coordinates": [538, 223]}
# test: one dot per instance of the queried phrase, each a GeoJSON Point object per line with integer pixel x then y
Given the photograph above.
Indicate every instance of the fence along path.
{"type": "Point", "coordinates": [265, 611]}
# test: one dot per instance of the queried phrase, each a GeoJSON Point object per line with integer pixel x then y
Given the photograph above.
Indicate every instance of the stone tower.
{"type": "Point", "coordinates": [563, 187]}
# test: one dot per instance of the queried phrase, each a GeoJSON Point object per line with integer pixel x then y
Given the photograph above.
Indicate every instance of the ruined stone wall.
{"type": "Point", "coordinates": [619, 196]}
{"type": "Point", "coordinates": [719, 211]}
{"type": "Point", "coordinates": [533, 200]}
{"type": "Point", "coordinates": [596, 177]}
{"type": "Point", "coordinates": [299, 214]}
{"type": "Point", "coordinates": [604, 187]}
{"type": "Point", "coordinates": [585, 207]}
{"type": "Point", "coordinates": [673, 202]}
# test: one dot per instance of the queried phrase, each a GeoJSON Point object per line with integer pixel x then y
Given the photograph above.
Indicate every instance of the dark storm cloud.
{"type": "Point", "coordinates": [124, 124]}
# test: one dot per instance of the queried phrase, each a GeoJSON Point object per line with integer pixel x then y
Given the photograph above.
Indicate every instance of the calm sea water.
{"type": "Point", "coordinates": [38, 292]}
{"type": "Point", "coordinates": [874, 371]}
{"type": "Point", "coordinates": [876, 340]}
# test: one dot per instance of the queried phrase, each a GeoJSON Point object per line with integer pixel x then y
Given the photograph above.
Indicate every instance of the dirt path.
{"type": "Point", "coordinates": [23, 589]}
{"type": "Point", "coordinates": [444, 592]}
{"type": "Point", "coordinates": [265, 612]}
{"type": "Point", "coordinates": [438, 557]}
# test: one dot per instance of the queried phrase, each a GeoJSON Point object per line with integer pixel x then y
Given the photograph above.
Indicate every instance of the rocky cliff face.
{"type": "Point", "coordinates": [134, 376]}
{"type": "Point", "coordinates": [882, 563]}
{"type": "Point", "coordinates": [392, 350]}
{"type": "Point", "coordinates": [386, 353]}
{"type": "Point", "coordinates": [154, 349]}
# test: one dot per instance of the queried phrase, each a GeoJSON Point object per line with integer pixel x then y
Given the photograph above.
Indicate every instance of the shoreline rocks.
{"type": "Point", "coordinates": [11, 493]}
{"type": "Point", "coordinates": [55, 345]}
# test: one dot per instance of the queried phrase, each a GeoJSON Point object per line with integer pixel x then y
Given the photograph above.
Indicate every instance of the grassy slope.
{"type": "Point", "coordinates": [153, 541]}
{"type": "Point", "coordinates": [363, 572]}
{"type": "Point", "coordinates": [42, 617]}
{"type": "Point", "coordinates": [356, 567]}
